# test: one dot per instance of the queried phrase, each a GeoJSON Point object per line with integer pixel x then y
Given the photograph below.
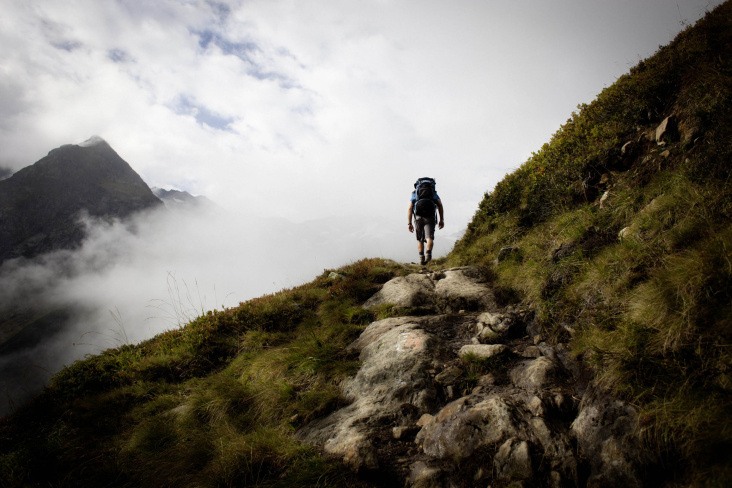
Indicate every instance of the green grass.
{"type": "Point", "coordinates": [214, 403]}
{"type": "Point", "coordinates": [651, 311]}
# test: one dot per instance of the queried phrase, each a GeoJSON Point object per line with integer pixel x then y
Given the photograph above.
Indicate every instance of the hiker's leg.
{"type": "Point", "coordinates": [420, 247]}
{"type": "Point", "coordinates": [428, 253]}
{"type": "Point", "coordinates": [429, 234]}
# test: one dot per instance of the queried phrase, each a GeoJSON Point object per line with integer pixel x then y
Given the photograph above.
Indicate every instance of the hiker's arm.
{"type": "Point", "coordinates": [439, 209]}
{"type": "Point", "coordinates": [409, 217]}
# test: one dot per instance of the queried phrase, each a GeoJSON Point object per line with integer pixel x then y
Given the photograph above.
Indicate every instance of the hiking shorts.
{"type": "Point", "coordinates": [424, 228]}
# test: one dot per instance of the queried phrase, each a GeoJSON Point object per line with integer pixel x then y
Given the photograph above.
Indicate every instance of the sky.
{"type": "Point", "coordinates": [306, 109]}
{"type": "Point", "coordinates": [306, 122]}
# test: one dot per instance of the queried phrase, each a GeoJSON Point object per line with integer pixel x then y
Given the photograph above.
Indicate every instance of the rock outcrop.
{"type": "Point", "coordinates": [465, 398]}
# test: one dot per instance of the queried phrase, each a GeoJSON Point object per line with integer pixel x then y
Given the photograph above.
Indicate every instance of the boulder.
{"type": "Point", "coordinates": [414, 290]}
{"type": "Point", "coordinates": [513, 461]}
{"type": "Point", "coordinates": [493, 327]}
{"type": "Point", "coordinates": [535, 374]}
{"type": "Point", "coordinates": [452, 291]}
{"type": "Point", "coordinates": [462, 427]}
{"type": "Point", "coordinates": [482, 351]}
{"type": "Point", "coordinates": [394, 374]}
{"type": "Point", "coordinates": [377, 329]}
{"type": "Point", "coordinates": [463, 289]}
{"type": "Point", "coordinates": [449, 376]}
{"type": "Point", "coordinates": [607, 433]}
{"type": "Point", "coordinates": [667, 130]}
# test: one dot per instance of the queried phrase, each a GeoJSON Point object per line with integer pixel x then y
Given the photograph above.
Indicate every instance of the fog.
{"type": "Point", "coordinates": [132, 280]}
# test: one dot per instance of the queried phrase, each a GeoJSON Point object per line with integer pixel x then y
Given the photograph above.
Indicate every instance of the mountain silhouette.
{"type": "Point", "coordinates": [41, 205]}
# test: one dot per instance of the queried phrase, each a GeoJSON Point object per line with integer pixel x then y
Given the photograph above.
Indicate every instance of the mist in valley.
{"type": "Point", "coordinates": [132, 280]}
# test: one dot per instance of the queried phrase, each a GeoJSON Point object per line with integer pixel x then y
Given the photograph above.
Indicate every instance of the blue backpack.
{"type": "Point", "coordinates": [425, 190]}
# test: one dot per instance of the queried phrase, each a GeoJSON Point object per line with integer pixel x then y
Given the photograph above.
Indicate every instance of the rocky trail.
{"type": "Point", "coordinates": [469, 394]}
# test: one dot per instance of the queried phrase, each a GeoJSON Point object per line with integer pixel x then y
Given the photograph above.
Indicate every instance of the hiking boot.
{"type": "Point", "coordinates": [422, 261]}
{"type": "Point", "coordinates": [428, 259]}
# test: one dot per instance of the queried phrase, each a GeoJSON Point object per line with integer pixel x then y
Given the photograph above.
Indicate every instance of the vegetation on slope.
{"type": "Point", "coordinates": [626, 250]}
{"type": "Point", "coordinates": [213, 403]}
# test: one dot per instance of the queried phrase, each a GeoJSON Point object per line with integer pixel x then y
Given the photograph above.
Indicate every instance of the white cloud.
{"type": "Point", "coordinates": [315, 95]}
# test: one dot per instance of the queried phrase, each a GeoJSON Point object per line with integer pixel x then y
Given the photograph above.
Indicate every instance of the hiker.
{"type": "Point", "coordinates": [424, 205]}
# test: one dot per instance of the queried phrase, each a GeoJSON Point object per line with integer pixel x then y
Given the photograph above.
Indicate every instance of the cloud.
{"type": "Point", "coordinates": [250, 101]}
{"type": "Point", "coordinates": [132, 280]}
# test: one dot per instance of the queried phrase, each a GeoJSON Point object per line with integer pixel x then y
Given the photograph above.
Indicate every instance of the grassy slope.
{"type": "Point", "coordinates": [215, 402]}
{"type": "Point", "coordinates": [651, 311]}
{"type": "Point", "coordinates": [211, 404]}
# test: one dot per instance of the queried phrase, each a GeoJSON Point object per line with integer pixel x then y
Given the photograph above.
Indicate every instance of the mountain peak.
{"type": "Point", "coordinates": [40, 204]}
{"type": "Point", "coordinates": [93, 141]}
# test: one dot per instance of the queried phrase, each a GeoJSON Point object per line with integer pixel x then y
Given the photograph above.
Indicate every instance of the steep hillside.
{"type": "Point", "coordinates": [41, 204]}
{"type": "Point", "coordinates": [618, 233]}
{"type": "Point", "coordinates": [610, 248]}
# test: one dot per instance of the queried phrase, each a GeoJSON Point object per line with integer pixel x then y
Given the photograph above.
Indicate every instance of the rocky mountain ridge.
{"type": "Point", "coordinates": [473, 394]}
{"type": "Point", "coordinates": [181, 200]}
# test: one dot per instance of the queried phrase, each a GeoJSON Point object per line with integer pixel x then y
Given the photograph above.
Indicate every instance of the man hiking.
{"type": "Point", "coordinates": [424, 205]}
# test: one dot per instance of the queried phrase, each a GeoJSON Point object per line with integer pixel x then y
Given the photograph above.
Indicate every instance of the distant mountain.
{"type": "Point", "coordinates": [175, 199]}
{"type": "Point", "coordinates": [40, 205]}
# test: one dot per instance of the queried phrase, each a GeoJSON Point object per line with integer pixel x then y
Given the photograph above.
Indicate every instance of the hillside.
{"type": "Point", "coordinates": [606, 257]}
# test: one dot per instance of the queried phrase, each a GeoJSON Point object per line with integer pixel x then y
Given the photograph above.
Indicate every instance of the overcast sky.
{"type": "Point", "coordinates": [307, 109]}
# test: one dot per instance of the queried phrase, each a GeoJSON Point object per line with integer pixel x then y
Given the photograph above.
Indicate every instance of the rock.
{"type": "Point", "coordinates": [460, 428]}
{"type": "Point", "coordinates": [424, 420]}
{"type": "Point", "coordinates": [606, 431]}
{"type": "Point", "coordinates": [531, 352]}
{"type": "Point", "coordinates": [376, 330]}
{"type": "Point", "coordinates": [463, 289]}
{"type": "Point", "coordinates": [395, 368]}
{"type": "Point", "coordinates": [558, 452]}
{"type": "Point", "coordinates": [482, 351]}
{"type": "Point", "coordinates": [488, 336]}
{"type": "Point", "coordinates": [449, 376]}
{"type": "Point", "coordinates": [536, 406]}
{"type": "Point", "coordinates": [665, 154]}
{"type": "Point", "coordinates": [394, 372]}
{"type": "Point", "coordinates": [604, 198]}
{"type": "Point", "coordinates": [627, 233]}
{"type": "Point", "coordinates": [333, 276]}
{"type": "Point", "coordinates": [667, 130]}
{"type": "Point", "coordinates": [496, 428]}
{"type": "Point", "coordinates": [487, 380]}
{"type": "Point", "coordinates": [497, 321]}
{"type": "Point", "coordinates": [409, 291]}
{"type": "Point", "coordinates": [493, 327]}
{"type": "Point", "coordinates": [513, 461]}
{"type": "Point", "coordinates": [452, 291]}
{"type": "Point", "coordinates": [535, 374]}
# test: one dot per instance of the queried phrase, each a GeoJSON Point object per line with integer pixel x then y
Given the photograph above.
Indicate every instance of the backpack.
{"type": "Point", "coordinates": [425, 206]}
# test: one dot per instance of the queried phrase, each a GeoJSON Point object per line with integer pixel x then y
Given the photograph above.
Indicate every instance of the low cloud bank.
{"type": "Point", "coordinates": [132, 280]}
